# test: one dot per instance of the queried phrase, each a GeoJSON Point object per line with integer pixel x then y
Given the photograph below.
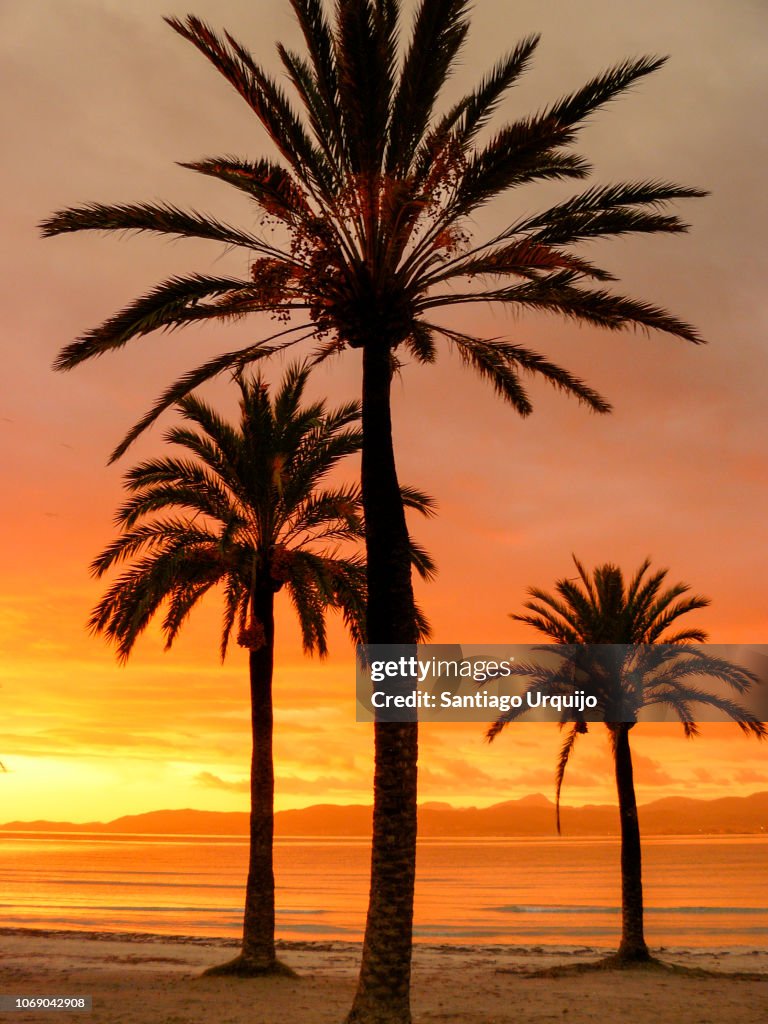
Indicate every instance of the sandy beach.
{"type": "Point", "coordinates": [152, 979]}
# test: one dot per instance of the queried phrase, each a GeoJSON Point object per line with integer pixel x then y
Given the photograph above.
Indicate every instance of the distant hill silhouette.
{"type": "Point", "coordinates": [531, 816]}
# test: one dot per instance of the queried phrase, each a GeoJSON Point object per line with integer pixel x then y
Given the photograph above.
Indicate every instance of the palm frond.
{"type": "Point", "coordinates": [263, 96]}
{"type": "Point", "coordinates": [530, 149]}
{"type": "Point", "coordinates": [487, 360]}
{"type": "Point", "coordinates": [420, 342]}
{"type": "Point", "coordinates": [317, 82]}
{"type": "Point", "coordinates": [304, 587]}
{"type": "Point", "coordinates": [194, 378]}
{"type": "Point", "coordinates": [459, 126]}
{"type": "Point", "coordinates": [562, 763]}
{"type": "Point", "coordinates": [131, 602]}
{"type": "Point", "coordinates": [418, 500]}
{"type": "Point", "coordinates": [235, 597]}
{"type": "Point", "coordinates": [160, 218]}
{"type": "Point", "coordinates": [365, 58]}
{"type": "Point", "coordinates": [439, 30]}
{"type": "Point", "coordinates": [602, 89]}
{"type": "Point", "coordinates": [218, 446]}
{"type": "Point", "coordinates": [319, 41]}
{"type": "Point", "coordinates": [662, 617]}
{"type": "Point", "coordinates": [321, 120]}
{"type": "Point", "coordinates": [525, 258]}
{"type": "Point", "coordinates": [422, 561]}
{"type": "Point", "coordinates": [266, 182]}
{"type": "Point", "coordinates": [558, 293]}
{"type": "Point", "coordinates": [479, 106]}
{"type": "Point", "coordinates": [681, 698]}
{"type": "Point", "coordinates": [170, 304]}
{"type": "Point", "coordinates": [518, 155]}
{"type": "Point", "coordinates": [499, 362]}
{"type": "Point", "coordinates": [163, 536]}
{"type": "Point", "coordinates": [327, 514]}
{"type": "Point", "coordinates": [181, 601]}
{"type": "Point", "coordinates": [349, 591]}
{"type": "Point", "coordinates": [423, 625]}
{"type": "Point", "coordinates": [201, 496]}
{"type": "Point", "coordinates": [605, 210]}
{"type": "Point", "coordinates": [514, 713]}
{"type": "Point", "coordinates": [585, 611]}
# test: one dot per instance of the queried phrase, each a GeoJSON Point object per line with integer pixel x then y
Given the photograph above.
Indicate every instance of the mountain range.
{"type": "Point", "coordinates": [530, 816]}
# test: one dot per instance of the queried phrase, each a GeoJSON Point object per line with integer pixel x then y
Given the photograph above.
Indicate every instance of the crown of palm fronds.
{"type": "Point", "coordinates": [614, 640]}
{"type": "Point", "coordinates": [243, 504]}
{"type": "Point", "coordinates": [370, 204]}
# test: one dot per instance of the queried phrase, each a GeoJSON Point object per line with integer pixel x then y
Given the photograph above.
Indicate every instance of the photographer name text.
{"type": "Point", "coordinates": [576, 701]}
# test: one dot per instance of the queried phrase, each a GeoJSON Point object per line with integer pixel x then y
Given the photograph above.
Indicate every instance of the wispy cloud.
{"type": "Point", "coordinates": [212, 781]}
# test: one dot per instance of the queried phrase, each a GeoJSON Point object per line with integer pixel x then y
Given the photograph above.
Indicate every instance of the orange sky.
{"type": "Point", "coordinates": [99, 99]}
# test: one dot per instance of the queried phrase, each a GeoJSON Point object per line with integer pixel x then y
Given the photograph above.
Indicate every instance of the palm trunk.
{"type": "Point", "coordinates": [383, 992]}
{"type": "Point", "coordinates": [257, 955]}
{"type": "Point", "coordinates": [632, 946]}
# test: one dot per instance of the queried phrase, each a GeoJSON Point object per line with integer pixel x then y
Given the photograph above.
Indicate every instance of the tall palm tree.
{"type": "Point", "coordinates": [618, 645]}
{"type": "Point", "coordinates": [249, 512]}
{"type": "Point", "coordinates": [369, 211]}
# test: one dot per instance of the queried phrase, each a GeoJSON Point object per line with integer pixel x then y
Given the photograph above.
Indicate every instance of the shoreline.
{"type": "Point", "coordinates": [710, 956]}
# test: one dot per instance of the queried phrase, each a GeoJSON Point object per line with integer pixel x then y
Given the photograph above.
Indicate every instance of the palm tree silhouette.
{"type": "Point", "coordinates": [251, 513]}
{"type": "Point", "coordinates": [618, 646]}
{"type": "Point", "coordinates": [369, 212]}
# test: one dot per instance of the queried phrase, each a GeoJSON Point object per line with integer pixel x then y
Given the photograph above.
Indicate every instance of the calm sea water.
{"type": "Point", "coordinates": [709, 891]}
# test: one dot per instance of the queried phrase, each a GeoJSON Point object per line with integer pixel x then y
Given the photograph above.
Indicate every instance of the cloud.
{"type": "Point", "coordinates": [747, 775]}
{"type": "Point", "coordinates": [212, 781]}
{"type": "Point", "coordinates": [649, 772]}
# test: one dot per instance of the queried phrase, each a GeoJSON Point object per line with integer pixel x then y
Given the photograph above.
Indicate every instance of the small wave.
{"type": "Point", "coordinates": [130, 884]}
{"type": "Point", "coordinates": [515, 908]}
{"type": "Point", "coordinates": [132, 908]}
{"type": "Point", "coordinates": [319, 929]}
{"type": "Point", "coordinates": [706, 910]}
{"type": "Point", "coordinates": [459, 932]}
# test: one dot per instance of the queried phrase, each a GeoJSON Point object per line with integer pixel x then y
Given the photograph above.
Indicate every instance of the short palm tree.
{"type": "Point", "coordinates": [249, 512]}
{"type": "Point", "coordinates": [619, 646]}
{"type": "Point", "coordinates": [363, 239]}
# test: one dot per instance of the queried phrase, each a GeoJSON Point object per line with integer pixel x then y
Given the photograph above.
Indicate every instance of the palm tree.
{"type": "Point", "coordinates": [369, 210]}
{"type": "Point", "coordinates": [251, 513]}
{"type": "Point", "coordinates": [633, 660]}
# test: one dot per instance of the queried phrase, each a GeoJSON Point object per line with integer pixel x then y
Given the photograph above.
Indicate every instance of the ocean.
{"type": "Point", "coordinates": [699, 892]}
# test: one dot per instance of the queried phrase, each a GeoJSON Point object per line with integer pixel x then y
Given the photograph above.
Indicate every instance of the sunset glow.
{"type": "Point", "coordinates": [105, 103]}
